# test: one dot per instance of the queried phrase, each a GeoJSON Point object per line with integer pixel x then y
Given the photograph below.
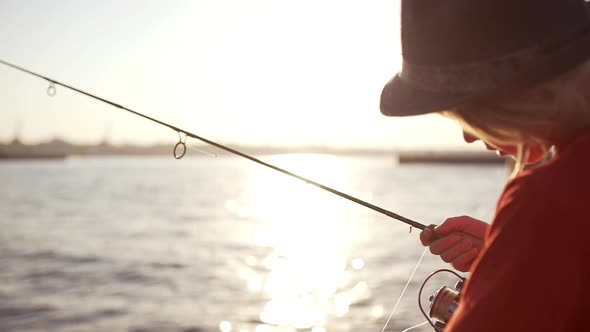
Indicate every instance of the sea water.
{"type": "Point", "coordinates": [223, 244]}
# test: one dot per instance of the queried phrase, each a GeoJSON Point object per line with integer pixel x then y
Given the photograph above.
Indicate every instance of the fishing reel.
{"type": "Point", "coordinates": [443, 303]}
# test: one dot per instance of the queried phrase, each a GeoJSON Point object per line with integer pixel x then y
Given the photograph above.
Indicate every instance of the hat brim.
{"type": "Point", "coordinates": [398, 98]}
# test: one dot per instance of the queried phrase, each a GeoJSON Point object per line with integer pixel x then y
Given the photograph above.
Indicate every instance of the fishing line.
{"type": "Point", "coordinates": [201, 151]}
{"type": "Point", "coordinates": [415, 326]}
{"type": "Point", "coordinates": [404, 290]}
{"type": "Point", "coordinates": [180, 147]}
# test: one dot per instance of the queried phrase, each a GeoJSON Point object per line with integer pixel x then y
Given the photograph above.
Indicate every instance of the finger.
{"type": "Point", "coordinates": [437, 247]}
{"type": "Point", "coordinates": [453, 252]}
{"type": "Point", "coordinates": [464, 261]}
{"type": "Point", "coordinates": [426, 236]}
{"type": "Point", "coordinates": [452, 224]}
{"type": "Point", "coordinates": [464, 224]}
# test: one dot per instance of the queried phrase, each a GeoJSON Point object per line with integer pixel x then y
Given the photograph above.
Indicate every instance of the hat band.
{"type": "Point", "coordinates": [481, 77]}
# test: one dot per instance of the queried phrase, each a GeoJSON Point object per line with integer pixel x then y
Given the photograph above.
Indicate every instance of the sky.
{"type": "Point", "coordinates": [259, 72]}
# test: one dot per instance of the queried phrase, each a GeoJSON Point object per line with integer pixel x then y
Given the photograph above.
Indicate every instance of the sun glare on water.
{"type": "Point", "coordinates": [308, 271]}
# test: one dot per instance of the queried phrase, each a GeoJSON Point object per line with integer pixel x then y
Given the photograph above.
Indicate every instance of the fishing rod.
{"type": "Point", "coordinates": [180, 147]}
{"type": "Point", "coordinates": [442, 304]}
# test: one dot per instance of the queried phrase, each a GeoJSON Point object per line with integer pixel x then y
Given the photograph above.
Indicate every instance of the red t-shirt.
{"type": "Point", "coordinates": [534, 271]}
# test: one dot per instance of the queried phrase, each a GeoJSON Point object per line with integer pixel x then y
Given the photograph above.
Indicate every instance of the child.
{"type": "Point", "coordinates": [516, 75]}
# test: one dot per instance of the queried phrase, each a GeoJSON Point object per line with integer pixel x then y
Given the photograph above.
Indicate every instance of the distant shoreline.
{"type": "Point", "coordinates": [60, 149]}
{"type": "Point", "coordinates": [451, 157]}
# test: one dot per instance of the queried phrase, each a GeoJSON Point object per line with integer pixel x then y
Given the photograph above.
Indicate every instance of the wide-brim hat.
{"type": "Point", "coordinates": [460, 51]}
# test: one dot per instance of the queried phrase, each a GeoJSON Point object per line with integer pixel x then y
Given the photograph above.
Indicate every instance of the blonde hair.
{"type": "Point", "coordinates": [540, 116]}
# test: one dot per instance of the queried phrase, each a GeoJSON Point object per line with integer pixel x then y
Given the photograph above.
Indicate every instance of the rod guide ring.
{"type": "Point", "coordinates": [51, 89]}
{"type": "Point", "coordinates": [180, 147]}
{"type": "Point", "coordinates": [179, 150]}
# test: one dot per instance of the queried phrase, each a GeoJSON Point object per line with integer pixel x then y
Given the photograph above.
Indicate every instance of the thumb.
{"type": "Point", "coordinates": [426, 236]}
